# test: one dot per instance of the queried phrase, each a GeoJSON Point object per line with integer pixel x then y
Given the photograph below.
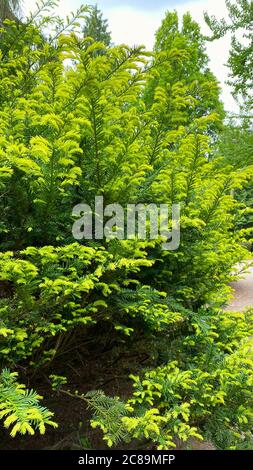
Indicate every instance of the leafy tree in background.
{"type": "Point", "coordinates": [187, 70]}
{"type": "Point", "coordinates": [240, 61]}
{"type": "Point", "coordinates": [96, 27]}
{"type": "Point", "coordinates": [236, 143]}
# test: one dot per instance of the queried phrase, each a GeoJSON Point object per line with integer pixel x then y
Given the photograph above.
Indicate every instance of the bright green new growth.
{"type": "Point", "coordinates": [20, 408]}
{"type": "Point", "coordinates": [80, 119]}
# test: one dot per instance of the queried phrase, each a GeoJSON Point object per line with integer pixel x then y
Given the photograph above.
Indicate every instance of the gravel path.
{"type": "Point", "coordinates": [243, 293]}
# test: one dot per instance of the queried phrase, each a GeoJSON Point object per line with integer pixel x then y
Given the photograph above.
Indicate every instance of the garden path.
{"type": "Point", "coordinates": [243, 292]}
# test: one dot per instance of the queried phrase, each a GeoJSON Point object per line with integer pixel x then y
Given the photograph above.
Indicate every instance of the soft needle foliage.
{"type": "Point", "coordinates": [75, 123]}
{"type": "Point", "coordinates": [20, 408]}
{"type": "Point", "coordinates": [186, 73]}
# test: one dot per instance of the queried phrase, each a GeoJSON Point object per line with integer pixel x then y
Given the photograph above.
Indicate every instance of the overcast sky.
{"type": "Point", "coordinates": [135, 22]}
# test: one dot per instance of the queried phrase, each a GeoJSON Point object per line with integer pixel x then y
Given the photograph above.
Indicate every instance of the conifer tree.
{"type": "Point", "coordinates": [187, 70]}
{"type": "Point", "coordinates": [96, 27]}
{"type": "Point", "coordinates": [68, 134]}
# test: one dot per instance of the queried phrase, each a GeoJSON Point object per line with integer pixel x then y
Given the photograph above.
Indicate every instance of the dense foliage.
{"type": "Point", "coordinates": [236, 146]}
{"type": "Point", "coordinates": [80, 119]}
{"type": "Point", "coordinates": [187, 72]}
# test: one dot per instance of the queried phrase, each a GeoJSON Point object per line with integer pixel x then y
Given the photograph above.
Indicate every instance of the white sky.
{"type": "Point", "coordinates": [135, 22]}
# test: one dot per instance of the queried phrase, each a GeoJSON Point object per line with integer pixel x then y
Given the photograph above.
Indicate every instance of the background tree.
{"type": "Point", "coordinates": [236, 143]}
{"type": "Point", "coordinates": [68, 134]}
{"type": "Point", "coordinates": [236, 147]}
{"type": "Point", "coordinates": [9, 9]}
{"type": "Point", "coordinates": [187, 70]}
{"type": "Point", "coordinates": [96, 27]}
{"type": "Point", "coordinates": [240, 61]}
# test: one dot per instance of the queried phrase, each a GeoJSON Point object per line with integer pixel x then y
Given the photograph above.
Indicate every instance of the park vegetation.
{"type": "Point", "coordinates": [81, 117]}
